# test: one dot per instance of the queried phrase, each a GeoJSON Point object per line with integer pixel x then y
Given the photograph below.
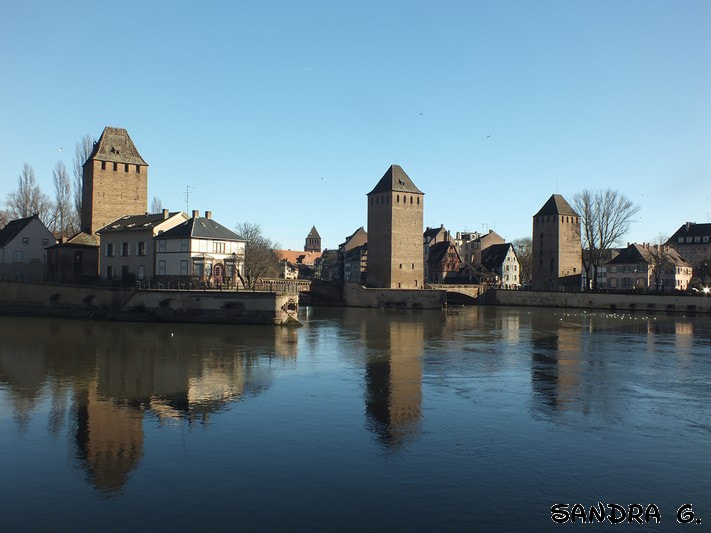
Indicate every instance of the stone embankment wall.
{"type": "Point", "coordinates": [127, 304]}
{"type": "Point", "coordinates": [614, 302]}
{"type": "Point", "coordinates": [354, 295]}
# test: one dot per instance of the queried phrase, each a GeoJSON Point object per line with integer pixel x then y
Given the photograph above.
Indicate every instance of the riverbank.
{"type": "Point", "coordinates": [610, 302]}
{"type": "Point", "coordinates": [122, 304]}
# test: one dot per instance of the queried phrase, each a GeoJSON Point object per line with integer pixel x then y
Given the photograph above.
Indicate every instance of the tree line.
{"type": "Point", "coordinates": [61, 213]}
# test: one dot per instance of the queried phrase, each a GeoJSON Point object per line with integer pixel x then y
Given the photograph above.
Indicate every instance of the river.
{"type": "Point", "coordinates": [480, 419]}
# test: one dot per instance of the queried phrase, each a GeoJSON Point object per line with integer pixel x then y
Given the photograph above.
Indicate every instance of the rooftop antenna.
{"type": "Point", "coordinates": [187, 199]}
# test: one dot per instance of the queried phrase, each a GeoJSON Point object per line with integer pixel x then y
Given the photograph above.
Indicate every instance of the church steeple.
{"type": "Point", "coordinates": [313, 241]}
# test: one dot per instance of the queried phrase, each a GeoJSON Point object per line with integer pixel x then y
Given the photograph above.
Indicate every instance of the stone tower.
{"type": "Point", "coordinates": [557, 252]}
{"type": "Point", "coordinates": [313, 241]}
{"type": "Point", "coordinates": [115, 181]}
{"type": "Point", "coordinates": [395, 253]}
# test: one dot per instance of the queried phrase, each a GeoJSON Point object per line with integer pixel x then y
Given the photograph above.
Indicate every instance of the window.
{"type": "Point", "coordinates": [45, 242]}
{"type": "Point", "coordinates": [413, 266]}
{"type": "Point", "coordinates": [418, 203]}
{"type": "Point", "coordinates": [109, 272]}
{"type": "Point", "coordinates": [219, 247]}
{"type": "Point", "coordinates": [706, 238]}
{"type": "Point", "coordinates": [141, 274]}
{"type": "Point", "coordinates": [115, 166]}
{"type": "Point", "coordinates": [400, 266]}
{"type": "Point", "coordinates": [19, 256]}
{"type": "Point", "coordinates": [198, 267]}
{"type": "Point", "coordinates": [688, 239]}
{"type": "Point", "coordinates": [161, 267]}
{"type": "Point", "coordinates": [138, 169]}
{"type": "Point", "coordinates": [109, 249]}
{"type": "Point", "coordinates": [697, 239]}
{"type": "Point", "coordinates": [184, 244]}
{"type": "Point", "coordinates": [141, 248]}
{"type": "Point", "coordinates": [184, 267]}
{"type": "Point", "coordinates": [161, 245]}
{"type": "Point", "coordinates": [410, 200]}
{"type": "Point", "coordinates": [612, 269]}
{"type": "Point", "coordinates": [125, 167]}
{"type": "Point", "coordinates": [680, 240]}
{"type": "Point", "coordinates": [398, 198]}
{"type": "Point", "coordinates": [125, 251]}
{"type": "Point", "coordinates": [103, 165]}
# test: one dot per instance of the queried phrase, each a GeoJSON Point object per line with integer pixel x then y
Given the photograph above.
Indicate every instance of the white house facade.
{"type": "Point", "coordinates": [200, 251]}
{"type": "Point", "coordinates": [23, 249]}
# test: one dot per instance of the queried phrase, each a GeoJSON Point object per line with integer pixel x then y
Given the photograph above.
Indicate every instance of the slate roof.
{"type": "Point", "coordinates": [431, 233]}
{"type": "Point", "coordinates": [690, 229]}
{"type": "Point", "coordinates": [638, 253]}
{"type": "Point", "coordinates": [556, 205]}
{"type": "Point", "coordinates": [135, 222]}
{"type": "Point", "coordinates": [200, 228]}
{"type": "Point", "coordinates": [439, 251]}
{"type": "Point", "coordinates": [313, 234]}
{"type": "Point", "coordinates": [79, 239]}
{"type": "Point", "coordinates": [494, 256]}
{"type": "Point", "coordinates": [116, 146]}
{"type": "Point", "coordinates": [395, 179]}
{"type": "Point", "coordinates": [13, 228]}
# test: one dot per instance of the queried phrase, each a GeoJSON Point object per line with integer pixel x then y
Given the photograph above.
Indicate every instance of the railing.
{"type": "Point", "coordinates": [278, 286]}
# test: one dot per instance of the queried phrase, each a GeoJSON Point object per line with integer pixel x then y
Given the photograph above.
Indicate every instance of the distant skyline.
{"type": "Point", "coordinates": [287, 113]}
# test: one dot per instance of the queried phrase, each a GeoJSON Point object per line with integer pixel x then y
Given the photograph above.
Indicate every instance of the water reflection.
{"type": "Point", "coordinates": [114, 374]}
{"type": "Point", "coordinates": [393, 378]}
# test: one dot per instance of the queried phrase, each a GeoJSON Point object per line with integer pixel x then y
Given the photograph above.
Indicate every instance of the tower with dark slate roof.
{"type": "Point", "coordinates": [313, 241]}
{"type": "Point", "coordinates": [557, 252]}
{"type": "Point", "coordinates": [115, 181]}
{"type": "Point", "coordinates": [395, 214]}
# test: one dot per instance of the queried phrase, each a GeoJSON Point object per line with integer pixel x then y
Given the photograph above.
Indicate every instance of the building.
{"type": "Point", "coordinates": [200, 251]}
{"type": "Point", "coordinates": [115, 181]}
{"type": "Point", "coordinates": [430, 237]}
{"type": "Point", "coordinates": [23, 249]}
{"type": "Point", "coordinates": [693, 242]}
{"type": "Point", "coordinates": [501, 259]}
{"type": "Point", "coordinates": [74, 259]}
{"type": "Point", "coordinates": [473, 246]}
{"type": "Point", "coordinates": [557, 252]}
{"type": "Point", "coordinates": [127, 246]}
{"type": "Point", "coordinates": [648, 267]}
{"type": "Point", "coordinates": [313, 241]}
{"type": "Point", "coordinates": [353, 250]}
{"type": "Point", "coordinates": [443, 262]}
{"type": "Point", "coordinates": [296, 264]}
{"type": "Point", "coordinates": [395, 214]}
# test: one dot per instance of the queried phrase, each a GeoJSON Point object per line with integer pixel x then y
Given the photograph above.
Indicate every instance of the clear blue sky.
{"type": "Point", "coordinates": [287, 113]}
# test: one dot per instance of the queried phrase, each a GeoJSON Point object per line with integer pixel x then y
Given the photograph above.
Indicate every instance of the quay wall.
{"type": "Point", "coordinates": [355, 295]}
{"type": "Point", "coordinates": [613, 302]}
{"type": "Point", "coordinates": [128, 304]}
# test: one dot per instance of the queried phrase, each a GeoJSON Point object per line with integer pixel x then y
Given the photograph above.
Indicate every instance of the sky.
{"type": "Point", "coordinates": [287, 114]}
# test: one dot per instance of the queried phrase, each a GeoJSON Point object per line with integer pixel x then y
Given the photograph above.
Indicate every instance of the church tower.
{"type": "Point", "coordinates": [557, 252]}
{"type": "Point", "coordinates": [115, 181]}
{"type": "Point", "coordinates": [395, 252]}
{"type": "Point", "coordinates": [313, 241]}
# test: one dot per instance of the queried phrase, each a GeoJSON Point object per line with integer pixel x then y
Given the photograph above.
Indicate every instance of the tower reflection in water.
{"type": "Point", "coordinates": [115, 374]}
{"type": "Point", "coordinates": [393, 376]}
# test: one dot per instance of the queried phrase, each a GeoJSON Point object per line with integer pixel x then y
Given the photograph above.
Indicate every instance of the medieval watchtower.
{"type": "Point", "coordinates": [115, 181]}
{"type": "Point", "coordinates": [395, 254]}
{"type": "Point", "coordinates": [313, 241]}
{"type": "Point", "coordinates": [557, 253]}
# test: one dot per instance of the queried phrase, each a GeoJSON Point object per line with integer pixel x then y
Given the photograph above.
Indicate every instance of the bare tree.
{"type": "Point", "coordinates": [524, 252]}
{"type": "Point", "coordinates": [82, 152]}
{"type": "Point", "coordinates": [606, 217]}
{"type": "Point", "coordinates": [29, 200]}
{"type": "Point", "coordinates": [65, 216]}
{"type": "Point", "coordinates": [260, 259]}
{"type": "Point", "coordinates": [4, 218]}
{"type": "Point", "coordinates": [156, 205]}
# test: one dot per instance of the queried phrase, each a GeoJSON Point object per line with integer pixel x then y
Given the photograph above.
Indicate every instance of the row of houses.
{"type": "Point", "coordinates": [166, 247]}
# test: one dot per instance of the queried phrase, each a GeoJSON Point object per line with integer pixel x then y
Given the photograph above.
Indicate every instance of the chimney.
{"type": "Point", "coordinates": [196, 213]}
{"type": "Point", "coordinates": [166, 214]}
{"type": "Point", "coordinates": [208, 215]}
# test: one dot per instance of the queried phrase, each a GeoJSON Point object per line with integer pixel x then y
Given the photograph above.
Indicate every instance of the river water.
{"type": "Point", "coordinates": [382, 420]}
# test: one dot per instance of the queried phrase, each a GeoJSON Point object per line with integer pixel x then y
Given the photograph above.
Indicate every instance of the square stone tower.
{"type": "Point", "coordinates": [557, 251]}
{"type": "Point", "coordinates": [115, 181]}
{"type": "Point", "coordinates": [395, 252]}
